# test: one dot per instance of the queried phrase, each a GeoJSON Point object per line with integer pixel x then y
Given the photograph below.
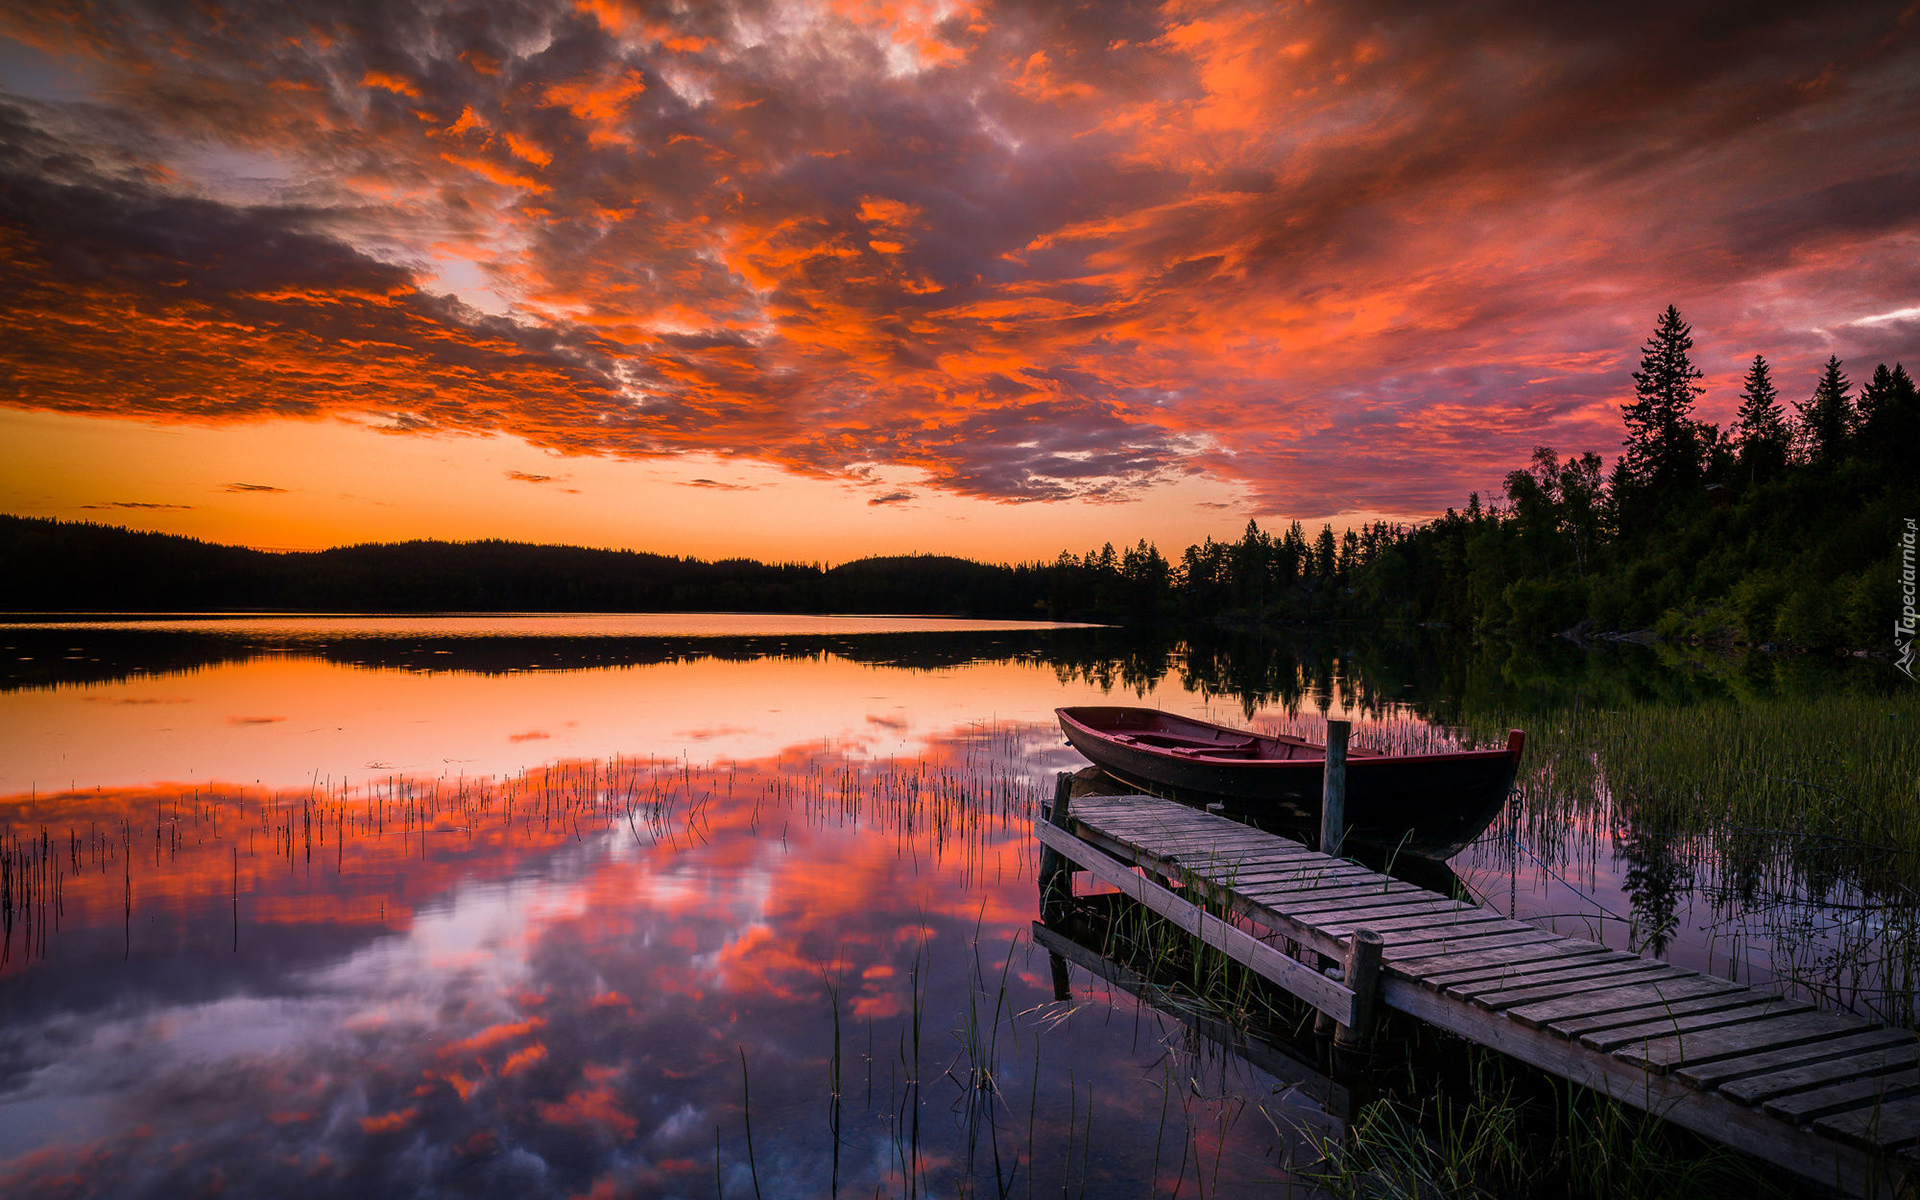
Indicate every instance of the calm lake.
{"type": "Point", "coordinates": [697, 905]}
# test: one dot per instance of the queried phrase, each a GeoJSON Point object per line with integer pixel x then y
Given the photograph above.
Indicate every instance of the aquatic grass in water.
{"type": "Point", "coordinates": [1498, 1133]}
{"type": "Point", "coordinates": [1796, 821]}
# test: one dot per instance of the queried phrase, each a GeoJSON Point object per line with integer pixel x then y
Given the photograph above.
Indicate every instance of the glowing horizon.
{"type": "Point", "coordinates": [816, 281]}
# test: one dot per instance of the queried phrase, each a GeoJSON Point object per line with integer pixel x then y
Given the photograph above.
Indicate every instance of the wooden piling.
{"type": "Point", "coordinates": [1056, 878]}
{"type": "Point", "coordinates": [1333, 792]}
{"type": "Point", "coordinates": [1363, 979]}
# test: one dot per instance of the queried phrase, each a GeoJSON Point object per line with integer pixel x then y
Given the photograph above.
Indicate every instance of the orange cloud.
{"type": "Point", "coordinates": [523, 1058]}
{"type": "Point", "coordinates": [492, 1036]}
{"type": "Point", "coordinates": [598, 1106]}
{"type": "Point", "coordinates": [388, 1122]}
{"type": "Point", "coordinates": [1346, 260]}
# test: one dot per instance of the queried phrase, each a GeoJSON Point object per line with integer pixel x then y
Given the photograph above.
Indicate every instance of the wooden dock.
{"type": "Point", "coordinates": [1832, 1097]}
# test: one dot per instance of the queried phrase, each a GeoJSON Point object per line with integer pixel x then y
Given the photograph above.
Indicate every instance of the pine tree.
{"type": "Point", "coordinates": [1826, 419]}
{"type": "Point", "coordinates": [1889, 425]}
{"type": "Point", "coordinates": [1323, 553]}
{"type": "Point", "coordinates": [1761, 433]}
{"type": "Point", "coordinates": [1663, 449]}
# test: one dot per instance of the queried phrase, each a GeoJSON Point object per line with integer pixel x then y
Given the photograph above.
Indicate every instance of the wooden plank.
{"type": "Point", "coordinates": [1214, 842]}
{"type": "Point", "coordinates": [1687, 1024]}
{"type": "Point", "coordinates": [1318, 875]}
{"type": "Point", "coordinates": [1516, 962]}
{"type": "Point", "coordinates": [1442, 919]}
{"type": "Point", "coordinates": [1705, 1003]}
{"type": "Point", "coordinates": [1348, 916]}
{"type": "Point", "coordinates": [1301, 891]}
{"type": "Point", "coordinates": [1291, 974]}
{"type": "Point", "coordinates": [1895, 1125]}
{"type": "Point", "coordinates": [1171, 843]}
{"type": "Point", "coordinates": [1723, 1071]}
{"type": "Point", "coordinates": [1413, 949]}
{"type": "Point", "coordinates": [1530, 974]}
{"type": "Point", "coordinates": [1430, 912]}
{"type": "Point", "coordinates": [1455, 934]}
{"type": "Point", "coordinates": [1666, 1053]}
{"type": "Point", "coordinates": [1162, 831]}
{"type": "Point", "coordinates": [1318, 900]}
{"type": "Point", "coordinates": [1199, 852]}
{"type": "Point", "coordinates": [1758, 1089]}
{"type": "Point", "coordinates": [1594, 982]}
{"type": "Point", "coordinates": [1548, 947]}
{"type": "Point", "coordinates": [1355, 914]}
{"type": "Point", "coordinates": [1825, 1161]}
{"type": "Point", "coordinates": [1299, 879]}
{"type": "Point", "coordinates": [1261, 866]}
{"type": "Point", "coordinates": [1303, 862]}
{"type": "Point", "coordinates": [1355, 907]}
{"type": "Point", "coordinates": [1871, 1091]}
{"type": "Point", "coordinates": [1654, 994]}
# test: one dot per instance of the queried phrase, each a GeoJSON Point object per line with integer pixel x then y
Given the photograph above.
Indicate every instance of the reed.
{"type": "Point", "coordinates": [1504, 1132]}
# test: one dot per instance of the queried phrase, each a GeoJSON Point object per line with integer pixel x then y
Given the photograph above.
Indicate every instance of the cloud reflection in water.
{"type": "Point", "coordinates": [548, 984]}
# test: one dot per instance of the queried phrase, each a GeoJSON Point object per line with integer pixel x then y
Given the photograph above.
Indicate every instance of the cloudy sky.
{"type": "Point", "coordinates": [820, 280]}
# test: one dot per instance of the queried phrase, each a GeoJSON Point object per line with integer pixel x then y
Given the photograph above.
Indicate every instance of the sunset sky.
{"type": "Point", "coordinates": [814, 281]}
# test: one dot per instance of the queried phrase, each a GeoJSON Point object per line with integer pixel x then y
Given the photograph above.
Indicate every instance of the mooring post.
{"type": "Point", "coordinates": [1062, 984]}
{"type": "Point", "coordinates": [1056, 879]}
{"type": "Point", "coordinates": [1333, 792]}
{"type": "Point", "coordinates": [1363, 980]}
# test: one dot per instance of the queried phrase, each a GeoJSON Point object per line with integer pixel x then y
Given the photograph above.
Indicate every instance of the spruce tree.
{"type": "Point", "coordinates": [1826, 419]}
{"type": "Point", "coordinates": [1324, 552]}
{"type": "Point", "coordinates": [1761, 432]}
{"type": "Point", "coordinates": [1663, 448]}
{"type": "Point", "coordinates": [1889, 424]}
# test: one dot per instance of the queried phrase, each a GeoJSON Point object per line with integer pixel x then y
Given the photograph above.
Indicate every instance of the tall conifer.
{"type": "Point", "coordinates": [1663, 456]}
{"type": "Point", "coordinates": [1826, 419]}
{"type": "Point", "coordinates": [1761, 432]}
{"type": "Point", "coordinates": [1889, 424]}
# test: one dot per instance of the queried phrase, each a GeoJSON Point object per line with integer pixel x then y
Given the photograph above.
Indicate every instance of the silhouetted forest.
{"type": "Point", "coordinates": [1785, 527]}
{"type": "Point", "coordinates": [71, 566]}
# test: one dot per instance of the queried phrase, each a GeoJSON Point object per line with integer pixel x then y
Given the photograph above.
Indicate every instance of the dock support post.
{"type": "Point", "coordinates": [1333, 791]}
{"type": "Point", "coordinates": [1363, 980]}
{"type": "Point", "coordinates": [1056, 874]}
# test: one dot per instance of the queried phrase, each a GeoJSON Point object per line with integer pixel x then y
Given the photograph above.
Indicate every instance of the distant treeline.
{"type": "Point", "coordinates": [1785, 527]}
{"type": "Point", "coordinates": [72, 566]}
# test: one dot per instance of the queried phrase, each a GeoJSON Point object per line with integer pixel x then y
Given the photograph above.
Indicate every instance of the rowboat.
{"type": "Point", "coordinates": [1431, 804]}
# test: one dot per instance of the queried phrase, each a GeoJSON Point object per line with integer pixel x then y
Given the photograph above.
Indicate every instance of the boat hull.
{"type": "Point", "coordinates": [1431, 804]}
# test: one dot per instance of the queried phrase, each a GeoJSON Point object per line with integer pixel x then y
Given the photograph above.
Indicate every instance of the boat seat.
{"type": "Point", "coordinates": [1175, 741]}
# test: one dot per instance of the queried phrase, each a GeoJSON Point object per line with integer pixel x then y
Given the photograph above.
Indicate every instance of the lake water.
{"type": "Point", "coordinates": [668, 906]}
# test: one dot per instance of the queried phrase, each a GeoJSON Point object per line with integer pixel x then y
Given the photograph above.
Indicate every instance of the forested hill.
{"type": "Point", "coordinates": [69, 566]}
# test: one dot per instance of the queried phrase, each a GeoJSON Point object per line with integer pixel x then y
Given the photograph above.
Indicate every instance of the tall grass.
{"type": "Point", "coordinates": [1796, 821]}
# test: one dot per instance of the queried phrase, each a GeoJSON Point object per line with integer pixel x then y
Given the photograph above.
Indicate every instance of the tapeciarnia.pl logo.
{"type": "Point", "coordinates": [1903, 625]}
